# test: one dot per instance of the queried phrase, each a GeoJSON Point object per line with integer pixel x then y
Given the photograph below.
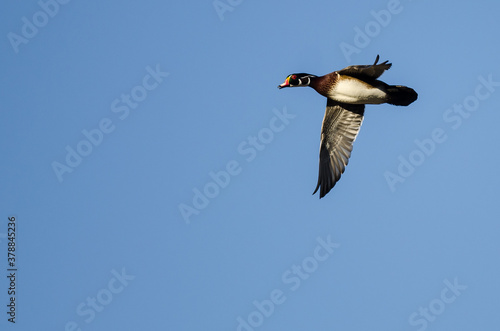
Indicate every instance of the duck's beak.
{"type": "Point", "coordinates": [285, 84]}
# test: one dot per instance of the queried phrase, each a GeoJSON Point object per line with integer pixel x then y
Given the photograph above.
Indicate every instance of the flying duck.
{"type": "Point", "coordinates": [347, 91]}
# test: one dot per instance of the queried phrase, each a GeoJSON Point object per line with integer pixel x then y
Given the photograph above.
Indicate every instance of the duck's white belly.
{"type": "Point", "coordinates": [351, 90]}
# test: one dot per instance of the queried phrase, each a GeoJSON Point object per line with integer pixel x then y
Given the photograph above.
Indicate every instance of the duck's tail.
{"type": "Point", "coordinates": [400, 95]}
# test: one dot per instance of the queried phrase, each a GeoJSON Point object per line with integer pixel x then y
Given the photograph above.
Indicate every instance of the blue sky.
{"type": "Point", "coordinates": [160, 180]}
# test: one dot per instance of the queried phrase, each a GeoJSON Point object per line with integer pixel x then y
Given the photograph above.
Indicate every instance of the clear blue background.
{"type": "Point", "coordinates": [119, 209]}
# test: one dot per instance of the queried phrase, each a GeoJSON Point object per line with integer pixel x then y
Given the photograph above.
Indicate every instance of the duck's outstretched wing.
{"type": "Point", "coordinates": [340, 127]}
{"type": "Point", "coordinates": [365, 72]}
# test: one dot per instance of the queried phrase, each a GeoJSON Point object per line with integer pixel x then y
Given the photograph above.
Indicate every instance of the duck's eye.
{"type": "Point", "coordinates": [294, 77]}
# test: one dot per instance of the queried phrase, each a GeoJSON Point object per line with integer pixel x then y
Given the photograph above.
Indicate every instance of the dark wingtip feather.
{"type": "Point", "coordinates": [316, 189]}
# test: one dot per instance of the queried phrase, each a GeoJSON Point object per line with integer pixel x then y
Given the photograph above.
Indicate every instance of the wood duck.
{"type": "Point", "coordinates": [347, 91]}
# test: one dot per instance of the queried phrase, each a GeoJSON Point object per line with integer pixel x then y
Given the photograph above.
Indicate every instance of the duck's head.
{"type": "Point", "coordinates": [294, 80]}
